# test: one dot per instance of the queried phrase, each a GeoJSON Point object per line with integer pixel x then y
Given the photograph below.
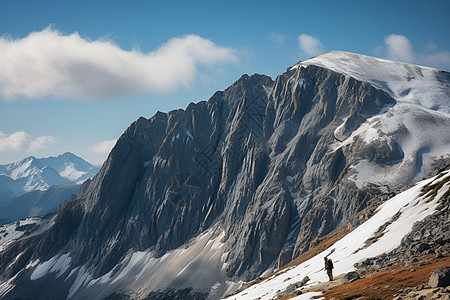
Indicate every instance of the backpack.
{"type": "Point", "coordinates": [330, 264]}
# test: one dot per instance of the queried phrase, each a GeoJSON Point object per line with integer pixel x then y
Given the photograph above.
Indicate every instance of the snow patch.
{"type": "Point", "coordinates": [32, 264]}
{"type": "Point", "coordinates": [43, 268]}
{"type": "Point", "coordinates": [83, 277]}
{"type": "Point", "coordinates": [133, 260]}
{"type": "Point", "coordinates": [71, 173]}
{"type": "Point", "coordinates": [58, 263]}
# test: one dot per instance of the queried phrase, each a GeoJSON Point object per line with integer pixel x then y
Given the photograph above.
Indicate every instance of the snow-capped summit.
{"type": "Point", "coordinates": [71, 167]}
{"type": "Point", "coordinates": [33, 173]}
{"type": "Point", "coordinates": [416, 125]}
{"type": "Point", "coordinates": [424, 86]}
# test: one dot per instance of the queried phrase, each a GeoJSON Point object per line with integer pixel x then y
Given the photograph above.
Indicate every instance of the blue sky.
{"type": "Point", "coordinates": [75, 74]}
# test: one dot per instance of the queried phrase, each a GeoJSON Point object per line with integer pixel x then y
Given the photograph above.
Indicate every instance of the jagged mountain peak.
{"type": "Point", "coordinates": [33, 173]}
{"type": "Point", "coordinates": [424, 86]}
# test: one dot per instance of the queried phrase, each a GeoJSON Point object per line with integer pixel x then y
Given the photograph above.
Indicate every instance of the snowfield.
{"type": "Point", "coordinates": [401, 211]}
{"type": "Point", "coordinates": [140, 271]}
{"type": "Point", "coordinates": [13, 232]}
{"type": "Point", "coordinates": [71, 173]}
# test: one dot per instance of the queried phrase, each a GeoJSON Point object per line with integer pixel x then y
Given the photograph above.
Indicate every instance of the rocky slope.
{"type": "Point", "coordinates": [197, 199]}
{"type": "Point", "coordinates": [370, 256]}
{"type": "Point", "coordinates": [37, 203]}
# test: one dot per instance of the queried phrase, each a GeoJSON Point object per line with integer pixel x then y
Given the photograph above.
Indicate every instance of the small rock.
{"type": "Point", "coordinates": [412, 270]}
{"type": "Point", "coordinates": [304, 280]}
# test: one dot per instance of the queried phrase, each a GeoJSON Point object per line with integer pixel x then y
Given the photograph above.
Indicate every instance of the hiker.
{"type": "Point", "coordinates": [329, 268]}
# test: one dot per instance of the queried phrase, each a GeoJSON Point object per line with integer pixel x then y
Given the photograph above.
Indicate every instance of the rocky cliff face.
{"type": "Point", "coordinates": [257, 173]}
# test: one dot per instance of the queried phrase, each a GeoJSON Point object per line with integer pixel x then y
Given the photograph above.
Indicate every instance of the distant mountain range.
{"type": "Point", "coordinates": [27, 187]}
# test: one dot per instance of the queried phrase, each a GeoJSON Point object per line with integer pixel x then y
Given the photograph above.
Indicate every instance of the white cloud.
{"type": "Point", "coordinates": [310, 45]}
{"type": "Point", "coordinates": [104, 147]}
{"type": "Point", "coordinates": [399, 48]}
{"type": "Point", "coordinates": [20, 141]}
{"type": "Point", "coordinates": [15, 141]}
{"type": "Point", "coordinates": [41, 142]}
{"type": "Point", "coordinates": [48, 63]}
{"type": "Point", "coordinates": [440, 60]}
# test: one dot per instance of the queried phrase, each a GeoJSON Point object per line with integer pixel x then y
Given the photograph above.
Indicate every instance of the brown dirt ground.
{"type": "Point", "coordinates": [383, 284]}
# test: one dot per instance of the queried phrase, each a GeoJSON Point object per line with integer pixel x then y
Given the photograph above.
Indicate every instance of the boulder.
{"type": "Point", "coordinates": [422, 247]}
{"type": "Point", "coordinates": [350, 277]}
{"type": "Point", "coordinates": [292, 288]}
{"type": "Point", "coordinates": [440, 277]}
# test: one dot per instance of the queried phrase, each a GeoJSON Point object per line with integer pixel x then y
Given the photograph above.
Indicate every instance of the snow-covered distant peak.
{"type": "Point", "coordinates": [33, 173]}
{"type": "Point", "coordinates": [24, 168]}
{"type": "Point", "coordinates": [427, 87]}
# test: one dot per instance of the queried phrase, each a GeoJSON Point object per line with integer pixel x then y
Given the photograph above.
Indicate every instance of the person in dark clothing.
{"type": "Point", "coordinates": [329, 268]}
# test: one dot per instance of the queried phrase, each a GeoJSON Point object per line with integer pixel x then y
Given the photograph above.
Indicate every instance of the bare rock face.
{"type": "Point", "coordinates": [270, 164]}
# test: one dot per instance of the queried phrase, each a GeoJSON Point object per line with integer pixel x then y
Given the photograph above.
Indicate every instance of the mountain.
{"type": "Point", "coordinates": [37, 203]}
{"type": "Point", "coordinates": [192, 202]}
{"type": "Point", "coordinates": [33, 173]}
{"type": "Point", "coordinates": [71, 167]}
